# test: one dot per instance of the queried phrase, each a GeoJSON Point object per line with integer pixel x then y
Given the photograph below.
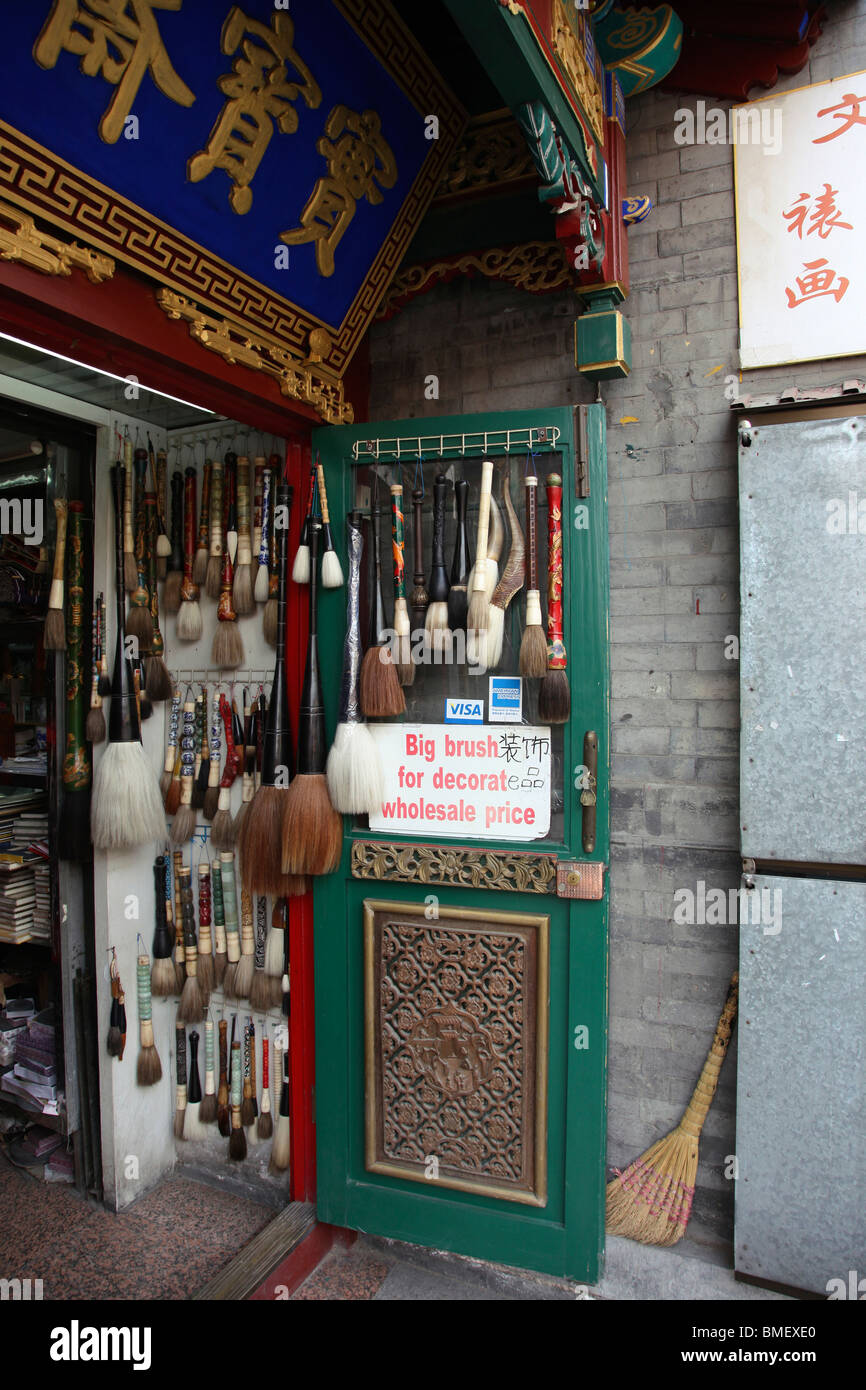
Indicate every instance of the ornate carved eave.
{"type": "Point", "coordinates": [21, 241]}
{"type": "Point", "coordinates": [536, 266]}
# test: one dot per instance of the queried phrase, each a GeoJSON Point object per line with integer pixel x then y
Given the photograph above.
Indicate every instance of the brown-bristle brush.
{"type": "Point", "coordinates": [189, 619]}
{"type": "Point", "coordinates": [381, 693]}
{"type": "Point", "coordinates": [171, 747]}
{"type": "Point", "coordinates": [174, 571]}
{"type": "Point", "coordinates": [533, 644]}
{"type": "Point", "coordinates": [193, 1125]}
{"type": "Point", "coordinates": [223, 1117]}
{"type": "Point", "coordinates": [274, 951]}
{"type": "Point", "coordinates": [54, 639]}
{"type": "Point", "coordinates": [237, 1139]}
{"type": "Point", "coordinates": [208, 1112]}
{"type": "Point", "coordinates": [230, 914]}
{"type": "Point", "coordinates": [210, 805]}
{"type": "Point", "coordinates": [205, 935]}
{"type": "Point", "coordinates": [139, 622]}
{"type": "Point", "coordinates": [243, 977]}
{"type": "Point", "coordinates": [554, 694]}
{"type": "Point", "coordinates": [248, 784]}
{"type": "Point", "coordinates": [149, 1067]}
{"type": "Point", "coordinates": [183, 824]}
{"type": "Point", "coordinates": [242, 585]}
{"type": "Point", "coordinates": [130, 568]}
{"type": "Point", "coordinates": [213, 577]}
{"type": "Point", "coordinates": [260, 989]}
{"type": "Point", "coordinates": [181, 1078]}
{"type": "Point", "coordinates": [437, 637]}
{"type": "Point", "coordinates": [249, 1109]}
{"type": "Point", "coordinates": [199, 568]}
{"type": "Point", "coordinates": [511, 583]}
{"type": "Point", "coordinates": [94, 727]}
{"type": "Point", "coordinates": [222, 827]}
{"type": "Point", "coordinates": [265, 1124]}
{"type": "Point", "coordinates": [202, 751]}
{"type": "Point", "coordinates": [156, 674]}
{"type": "Point", "coordinates": [163, 977]}
{"type": "Point", "coordinates": [228, 647]}
{"type": "Point", "coordinates": [192, 1001]}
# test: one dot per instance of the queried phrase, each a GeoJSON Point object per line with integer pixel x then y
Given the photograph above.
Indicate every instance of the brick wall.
{"type": "Point", "coordinates": [674, 584]}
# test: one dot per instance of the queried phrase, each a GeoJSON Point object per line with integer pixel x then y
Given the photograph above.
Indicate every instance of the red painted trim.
{"type": "Point", "coordinates": [299, 1265]}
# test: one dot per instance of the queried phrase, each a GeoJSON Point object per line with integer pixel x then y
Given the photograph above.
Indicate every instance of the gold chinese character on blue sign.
{"type": "Point", "coordinates": [260, 93]}
{"type": "Point", "coordinates": [118, 40]}
{"type": "Point", "coordinates": [358, 158]}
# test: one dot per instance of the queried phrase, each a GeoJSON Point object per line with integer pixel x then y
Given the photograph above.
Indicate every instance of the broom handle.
{"type": "Point", "coordinates": [532, 530]}
{"type": "Point", "coordinates": [702, 1097]}
{"type": "Point", "coordinates": [479, 579]}
{"type": "Point", "coordinates": [323, 496]}
{"type": "Point", "coordinates": [556, 655]}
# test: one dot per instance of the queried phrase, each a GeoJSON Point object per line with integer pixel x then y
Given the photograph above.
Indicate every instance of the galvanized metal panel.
{"type": "Point", "coordinates": [801, 1131]}
{"type": "Point", "coordinates": [803, 641]}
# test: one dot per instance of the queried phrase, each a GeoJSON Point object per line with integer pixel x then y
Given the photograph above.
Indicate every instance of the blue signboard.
{"type": "Point", "coordinates": [291, 143]}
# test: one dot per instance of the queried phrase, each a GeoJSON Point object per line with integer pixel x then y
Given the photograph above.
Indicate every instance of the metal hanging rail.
{"type": "Point", "coordinates": [441, 446]}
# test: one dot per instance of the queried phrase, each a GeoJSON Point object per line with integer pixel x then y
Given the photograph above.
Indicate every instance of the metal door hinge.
{"type": "Point", "coordinates": [575, 879]}
{"type": "Point", "coordinates": [581, 463]}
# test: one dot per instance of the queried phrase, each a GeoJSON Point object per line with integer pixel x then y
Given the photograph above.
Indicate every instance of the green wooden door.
{"type": "Point", "coordinates": [461, 1013]}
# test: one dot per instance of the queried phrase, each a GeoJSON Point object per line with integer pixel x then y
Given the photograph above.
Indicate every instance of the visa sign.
{"type": "Point", "coordinates": [464, 711]}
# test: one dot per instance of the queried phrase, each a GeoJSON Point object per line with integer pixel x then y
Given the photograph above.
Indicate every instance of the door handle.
{"type": "Point", "coordinates": [588, 795]}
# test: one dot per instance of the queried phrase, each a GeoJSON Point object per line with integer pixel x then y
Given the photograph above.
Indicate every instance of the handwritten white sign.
{"type": "Point", "coordinates": [801, 220]}
{"type": "Point", "coordinates": [475, 782]}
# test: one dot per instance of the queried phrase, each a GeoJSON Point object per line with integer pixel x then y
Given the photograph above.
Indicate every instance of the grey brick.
{"type": "Point", "coordinates": [649, 739]}
{"type": "Point", "coordinates": [641, 169]}
{"type": "Point", "coordinates": [711, 656]}
{"type": "Point", "coordinates": [713, 179]}
{"type": "Point", "coordinates": [655, 686]}
{"type": "Point", "coordinates": [714, 289]}
{"type": "Point", "coordinates": [704, 156]}
{"type": "Point", "coordinates": [686, 241]}
{"type": "Point", "coordinates": [713, 347]}
{"type": "Point", "coordinates": [702, 569]}
{"type": "Point", "coordinates": [716, 260]}
{"type": "Point", "coordinates": [719, 714]}
{"type": "Point", "coordinates": [704, 740]}
{"type": "Point", "coordinates": [680, 515]}
{"type": "Point", "coordinates": [718, 483]}
{"type": "Point", "coordinates": [711, 207]}
{"type": "Point", "coordinates": [646, 711]}
{"type": "Point", "coordinates": [651, 657]}
{"type": "Point", "coordinates": [704, 685]}
{"type": "Point", "coordinates": [703, 317]}
{"type": "Point", "coordinates": [703, 628]}
{"type": "Point", "coordinates": [627, 629]}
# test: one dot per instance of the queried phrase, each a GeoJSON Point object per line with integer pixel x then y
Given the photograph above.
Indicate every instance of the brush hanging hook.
{"type": "Point", "coordinates": [418, 481]}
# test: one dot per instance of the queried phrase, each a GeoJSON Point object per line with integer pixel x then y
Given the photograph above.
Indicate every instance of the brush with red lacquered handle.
{"type": "Point", "coordinates": [554, 695]}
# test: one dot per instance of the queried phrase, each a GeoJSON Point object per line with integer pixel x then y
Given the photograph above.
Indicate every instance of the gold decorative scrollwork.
{"type": "Point", "coordinates": [492, 151]}
{"type": "Point", "coordinates": [21, 240]}
{"type": "Point", "coordinates": [507, 871]}
{"type": "Point", "coordinates": [298, 378]}
{"type": "Point", "coordinates": [536, 266]}
{"type": "Point", "coordinates": [573, 63]}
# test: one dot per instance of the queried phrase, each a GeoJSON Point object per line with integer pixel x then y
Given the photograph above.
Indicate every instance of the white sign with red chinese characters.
{"type": "Point", "coordinates": [477, 782]}
{"type": "Point", "coordinates": [801, 221]}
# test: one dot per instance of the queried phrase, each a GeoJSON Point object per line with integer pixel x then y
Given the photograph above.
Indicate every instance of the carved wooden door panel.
{"type": "Point", "coordinates": [461, 960]}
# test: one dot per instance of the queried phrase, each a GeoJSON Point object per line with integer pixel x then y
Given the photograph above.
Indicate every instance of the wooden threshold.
{"type": "Point", "coordinates": [268, 1251]}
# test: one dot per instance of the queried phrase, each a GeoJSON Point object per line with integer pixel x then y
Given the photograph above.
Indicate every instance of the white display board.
{"type": "Point", "coordinates": [479, 782]}
{"type": "Point", "coordinates": [799, 163]}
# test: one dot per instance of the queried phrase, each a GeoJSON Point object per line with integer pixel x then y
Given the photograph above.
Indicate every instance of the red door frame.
{"type": "Point", "coordinates": [119, 327]}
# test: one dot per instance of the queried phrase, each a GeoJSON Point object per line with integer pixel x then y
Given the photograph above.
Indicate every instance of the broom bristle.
{"type": "Point", "coordinates": [220, 964]}
{"type": "Point", "coordinates": [189, 621]}
{"type": "Point", "coordinates": [242, 982]}
{"type": "Point", "coordinates": [213, 578]}
{"type": "Point", "coordinates": [224, 1122]}
{"type": "Point", "coordinates": [301, 565]}
{"type": "Point", "coordinates": [205, 976]}
{"type": "Point", "coordinates": [312, 829]}
{"type": "Point", "coordinates": [149, 1068]}
{"type": "Point", "coordinates": [270, 622]}
{"type": "Point", "coordinates": [242, 591]}
{"type": "Point", "coordinates": [381, 693]}
{"type": "Point", "coordinates": [157, 679]}
{"type": "Point", "coordinates": [193, 1125]}
{"type": "Point", "coordinates": [126, 808]}
{"type": "Point", "coordinates": [265, 1124]}
{"type": "Point", "coordinates": [260, 992]}
{"type": "Point", "coordinates": [192, 1005]}
{"type": "Point", "coordinates": [94, 725]}
{"type": "Point", "coordinates": [139, 624]}
{"type": "Point", "coordinates": [332, 570]}
{"type": "Point", "coordinates": [211, 802]}
{"type": "Point", "coordinates": [54, 638]}
{"type": "Point", "coordinates": [208, 1112]}
{"type": "Point", "coordinates": [281, 1148]}
{"type": "Point", "coordinates": [198, 792]}
{"type": "Point", "coordinates": [172, 796]}
{"type": "Point", "coordinates": [179, 974]}
{"type": "Point", "coordinates": [228, 647]}
{"type": "Point", "coordinates": [238, 1145]}
{"type": "Point", "coordinates": [554, 698]}
{"type": "Point", "coordinates": [183, 825]}
{"type": "Point", "coordinates": [356, 781]}
{"type": "Point", "coordinates": [222, 831]}
{"type": "Point", "coordinates": [199, 567]}
{"type": "Point", "coordinates": [652, 1200]}
{"type": "Point", "coordinates": [533, 653]}
{"type": "Point", "coordinates": [171, 591]}
{"type": "Point", "coordinates": [262, 584]}
{"type": "Point", "coordinates": [130, 571]}
{"type": "Point", "coordinates": [260, 842]}
{"type": "Point", "coordinates": [163, 977]}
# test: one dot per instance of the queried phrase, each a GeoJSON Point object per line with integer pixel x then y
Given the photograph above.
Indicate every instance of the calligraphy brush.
{"type": "Point", "coordinates": [261, 835]}
{"type": "Point", "coordinates": [54, 639]}
{"type": "Point", "coordinates": [163, 544]}
{"type": "Point", "coordinates": [237, 1139]}
{"type": "Point", "coordinates": [193, 1126]}
{"type": "Point", "coordinates": [222, 827]}
{"type": "Point", "coordinates": [228, 647]}
{"type": "Point", "coordinates": [243, 976]}
{"type": "Point", "coordinates": [130, 568]}
{"type": "Point", "coordinates": [402, 626]}
{"type": "Point", "coordinates": [213, 578]}
{"type": "Point", "coordinates": [265, 1123]}
{"type": "Point", "coordinates": [461, 565]}
{"type": "Point", "coordinates": [157, 675]}
{"type": "Point", "coordinates": [177, 957]}
{"type": "Point", "coordinates": [354, 767]}
{"type": "Point", "coordinates": [189, 620]}
{"type": "Point", "coordinates": [149, 1067]}
{"type": "Point", "coordinates": [210, 804]}
{"type": "Point", "coordinates": [510, 584]}
{"type": "Point", "coordinates": [183, 824]}
{"type": "Point", "coordinates": [242, 588]}
{"type": "Point", "coordinates": [220, 952]}
{"type": "Point", "coordinates": [104, 686]}
{"type": "Point", "coordinates": [126, 808]}
{"type": "Point", "coordinates": [171, 800]}
{"type": "Point", "coordinates": [257, 472]}
{"type": "Point", "coordinates": [73, 831]}
{"type": "Point", "coordinates": [208, 1112]}
{"type": "Point", "coordinates": [94, 728]}
{"type": "Point", "coordinates": [192, 1001]}
{"type": "Point", "coordinates": [230, 913]}
{"type": "Point", "coordinates": [199, 568]}
{"type": "Point", "coordinates": [270, 618]}
{"type": "Point", "coordinates": [180, 1093]}
{"type": "Point", "coordinates": [476, 639]}
{"type": "Point", "coordinates": [285, 983]}
{"type": "Point", "coordinates": [179, 944]}
{"type": "Point", "coordinates": [437, 635]}
{"type": "Point", "coordinates": [381, 692]}
{"type": "Point", "coordinates": [248, 785]}
{"type": "Point", "coordinates": [301, 565]}
{"type": "Point", "coordinates": [139, 622]}
{"type": "Point", "coordinates": [275, 950]}
{"type": "Point", "coordinates": [261, 589]}
{"type": "Point", "coordinates": [312, 829]}
{"type": "Point", "coordinates": [260, 989]}
{"type": "Point", "coordinates": [202, 753]}
{"type": "Point", "coordinates": [554, 693]}
{"type": "Point", "coordinates": [163, 977]}
{"type": "Point", "coordinates": [419, 597]}
{"type": "Point", "coordinates": [249, 1109]}
{"type": "Point", "coordinates": [174, 570]}
{"type": "Point", "coordinates": [223, 1118]}
{"type": "Point", "coordinates": [252, 1129]}
{"type": "Point", "coordinates": [115, 1036]}
{"type": "Point", "coordinates": [205, 936]}
{"type": "Point", "coordinates": [533, 645]}
{"type": "Point", "coordinates": [332, 573]}
{"type": "Point", "coordinates": [479, 599]}
{"type": "Point", "coordinates": [281, 1147]}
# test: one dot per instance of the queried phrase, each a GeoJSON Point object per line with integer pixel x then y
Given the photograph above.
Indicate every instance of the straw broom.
{"type": "Point", "coordinates": [652, 1200]}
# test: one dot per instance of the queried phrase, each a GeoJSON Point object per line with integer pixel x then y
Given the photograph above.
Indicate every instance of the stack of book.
{"type": "Point", "coordinates": [17, 902]}
{"type": "Point", "coordinates": [32, 1081]}
{"type": "Point", "coordinates": [25, 872]}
